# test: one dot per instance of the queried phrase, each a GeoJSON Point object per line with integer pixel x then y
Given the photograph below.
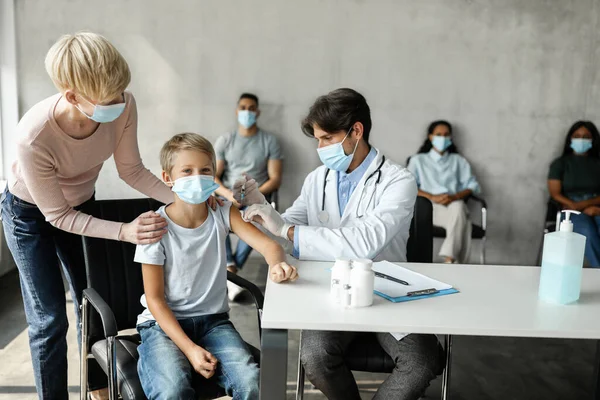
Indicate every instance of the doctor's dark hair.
{"type": "Point", "coordinates": [249, 96]}
{"type": "Point", "coordinates": [589, 125]}
{"type": "Point", "coordinates": [338, 111]}
{"type": "Point", "coordinates": [426, 146]}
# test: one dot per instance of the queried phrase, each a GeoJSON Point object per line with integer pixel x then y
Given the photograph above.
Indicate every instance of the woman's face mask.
{"type": "Point", "coordinates": [104, 114]}
{"type": "Point", "coordinates": [334, 157]}
{"type": "Point", "coordinates": [581, 145]}
{"type": "Point", "coordinates": [441, 143]}
{"type": "Point", "coordinates": [195, 189]}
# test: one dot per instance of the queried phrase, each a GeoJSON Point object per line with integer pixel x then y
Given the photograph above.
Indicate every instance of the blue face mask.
{"type": "Point", "coordinates": [441, 143]}
{"type": "Point", "coordinates": [195, 189]}
{"type": "Point", "coordinates": [246, 118]}
{"type": "Point", "coordinates": [334, 157]}
{"type": "Point", "coordinates": [581, 146]}
{"type": "Point", "coordinates": [104, 114]}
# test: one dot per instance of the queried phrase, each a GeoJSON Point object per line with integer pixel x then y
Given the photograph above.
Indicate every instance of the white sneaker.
{"type": "Point", "coordinates": [233, 290]}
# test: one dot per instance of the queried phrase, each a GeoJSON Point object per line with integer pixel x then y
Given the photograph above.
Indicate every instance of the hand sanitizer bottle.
{"type": "Point", "coordinates": [562, 263]}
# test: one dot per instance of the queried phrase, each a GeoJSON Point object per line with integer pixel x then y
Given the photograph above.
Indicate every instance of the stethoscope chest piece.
{"type": "Point", "coordinates": [323, 216]}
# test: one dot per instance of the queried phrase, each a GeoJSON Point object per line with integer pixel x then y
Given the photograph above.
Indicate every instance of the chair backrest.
{"type": "Point", "coordinates": [420, 242]}
{"type": "Point", "coordinates": [551, 215]}
{"type": "Point", "coordinates": [109, 264]}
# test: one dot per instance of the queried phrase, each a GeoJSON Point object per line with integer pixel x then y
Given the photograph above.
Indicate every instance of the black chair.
{"type": "Point", "coordinates": [551, 223]}
{"type": "Point", "coordinates": [114, 289]}
{"type": "Point", "coordinates": [364, 353]}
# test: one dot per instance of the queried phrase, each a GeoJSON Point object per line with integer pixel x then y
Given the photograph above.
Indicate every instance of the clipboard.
{"type": "Point", "coordinates": [418, 288]}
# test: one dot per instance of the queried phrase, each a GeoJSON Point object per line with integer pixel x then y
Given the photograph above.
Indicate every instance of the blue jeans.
{"type": "Point", "coordinates": [242, 252]}
{"type": "Point", "coordinates": [39, 250]}
{"type": "Point", "coordinates": [590, 228]}
{"type": "Point", "coordinates": [166, 373]}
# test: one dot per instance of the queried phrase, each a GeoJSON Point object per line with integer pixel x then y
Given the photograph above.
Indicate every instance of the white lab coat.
{"type": "Point", "coordinates": [376, 229]}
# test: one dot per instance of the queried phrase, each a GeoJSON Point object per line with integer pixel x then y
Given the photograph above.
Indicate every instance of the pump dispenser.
{"type": "Point", "coordinates": [562, 263]}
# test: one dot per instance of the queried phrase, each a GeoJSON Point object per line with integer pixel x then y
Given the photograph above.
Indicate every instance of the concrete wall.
{"type": "Point", "coordinates": [511, 75]}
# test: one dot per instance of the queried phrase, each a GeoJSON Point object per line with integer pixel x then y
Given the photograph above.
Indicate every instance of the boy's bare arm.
{"type": "Point", "coordinates": [279, 270]}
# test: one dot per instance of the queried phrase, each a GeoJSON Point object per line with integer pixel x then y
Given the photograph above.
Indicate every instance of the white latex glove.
{"type": "Point", "coordinates": [251, 193]}
{"type": "Point", "coordinates": [283, 272]}
{"type": "Point", "coordinates": [269, 218]}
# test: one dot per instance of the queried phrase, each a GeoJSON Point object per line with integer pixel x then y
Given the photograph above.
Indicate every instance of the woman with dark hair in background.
{"type": "Point", "coordinates": [445, 178]}
{"type": "Point", "coordinates": [574, 182]}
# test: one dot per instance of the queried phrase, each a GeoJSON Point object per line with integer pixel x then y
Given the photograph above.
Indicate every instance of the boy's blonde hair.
{"type": "Point", "coordinates": [88, 64]}
{"type": "Point", "coordinates": [185, 141]}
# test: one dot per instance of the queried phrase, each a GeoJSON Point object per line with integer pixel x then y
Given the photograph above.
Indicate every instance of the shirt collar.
{"type": "Point", "coordinates": [437, 156]}
{"type": "Point", "coordinates": [355, 176]}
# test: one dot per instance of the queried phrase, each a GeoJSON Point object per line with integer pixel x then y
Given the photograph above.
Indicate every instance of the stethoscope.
{"type": "Point", "coordinates": [324, 215]}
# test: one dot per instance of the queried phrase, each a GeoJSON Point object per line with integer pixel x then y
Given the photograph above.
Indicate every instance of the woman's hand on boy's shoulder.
{"type": "Point", "coordinates": [203, 361]}
{"type": "Point", "coordinates": [283, 272]}
{"type": "Point", "coordinates": [214, 201]}
{"type": "Point", "coordinates": [148, 228]}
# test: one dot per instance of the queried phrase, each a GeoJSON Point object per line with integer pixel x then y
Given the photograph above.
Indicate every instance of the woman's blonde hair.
{"type": "Point", "coordinates": [185, 141]}
{"type": "Point", "coordinates": [88, 64]}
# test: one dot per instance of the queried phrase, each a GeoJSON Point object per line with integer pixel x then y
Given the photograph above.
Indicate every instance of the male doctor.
{"type": "Point", "coordinates": [359, 204]}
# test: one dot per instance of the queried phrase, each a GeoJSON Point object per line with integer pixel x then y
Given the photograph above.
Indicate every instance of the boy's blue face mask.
{"type": "Point", "coordinates": [441, 143]}
{"type": "Point", "coordinates": [246, 118]}
{"type": "Point", "coordinates": [581, 145]}
{"type": "Point", "coordinates": [195, 189]}
{"type": "Point", "coordinates": [104, 114]}
{"type": "Point", "coordinates": [334, 157]}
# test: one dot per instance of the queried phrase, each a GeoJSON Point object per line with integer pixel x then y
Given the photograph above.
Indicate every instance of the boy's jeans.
{"type": "Point", "coordinates": [166, 373]}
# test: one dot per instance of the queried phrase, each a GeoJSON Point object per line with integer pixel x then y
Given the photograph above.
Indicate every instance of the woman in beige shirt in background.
{"type": "Point", "coordinates": [61, 145]}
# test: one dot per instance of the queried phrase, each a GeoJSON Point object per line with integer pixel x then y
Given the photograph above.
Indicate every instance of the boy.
{"type": "Point", "coordinates": [185, 326]}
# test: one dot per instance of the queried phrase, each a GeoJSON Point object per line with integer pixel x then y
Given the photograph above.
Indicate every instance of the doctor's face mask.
{"type": "Point", "coordinates": [334, 157]}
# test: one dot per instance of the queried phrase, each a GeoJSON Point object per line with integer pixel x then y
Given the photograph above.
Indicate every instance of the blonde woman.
{"type": "Point", "coordinates": [62, 143]}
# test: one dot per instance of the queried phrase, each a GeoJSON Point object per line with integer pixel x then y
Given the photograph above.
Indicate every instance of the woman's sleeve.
{"type": "Point", "coordinates": [466, 177]}
{"type": "Point", "coordinates": [37, 169]}
{"type": "Point", "coordinates": [412, 167]}
{"type": "Point", "coordinates": [557, 169]}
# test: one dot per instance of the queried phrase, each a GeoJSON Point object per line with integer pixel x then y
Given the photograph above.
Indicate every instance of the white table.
{"type": "Point", "coordinates": [493, 301]}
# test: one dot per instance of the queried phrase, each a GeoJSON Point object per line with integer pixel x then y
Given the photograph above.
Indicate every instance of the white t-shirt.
{"type": "Point", "coordinates": [194, 265]}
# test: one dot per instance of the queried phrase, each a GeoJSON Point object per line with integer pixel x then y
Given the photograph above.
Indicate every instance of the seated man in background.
{"type": "Point", "coordinates": [247, 150]}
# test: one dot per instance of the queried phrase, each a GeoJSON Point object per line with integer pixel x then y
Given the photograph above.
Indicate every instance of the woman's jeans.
{"type": "Point", "coordinates": [40, 250]}
{"type": "Point", "coordinates": [590, 228]}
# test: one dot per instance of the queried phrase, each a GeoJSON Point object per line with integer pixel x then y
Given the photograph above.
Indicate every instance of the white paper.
{"type": "Point", "coordinates": [394, 289]}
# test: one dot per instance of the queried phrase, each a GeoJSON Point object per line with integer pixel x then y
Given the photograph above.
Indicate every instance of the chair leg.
{"type": "Point", "coordinates": [83, 362]}
{"type": "Point", "coordinates": [446, 374]}
{"type": "Point", "coordinates": [482, 256]}
{"type": "Point", "coordinates": [300, 380]}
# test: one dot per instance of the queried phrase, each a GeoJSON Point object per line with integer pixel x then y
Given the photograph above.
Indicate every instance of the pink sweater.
{"type": "Point", "coordinates": [57, 172]}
